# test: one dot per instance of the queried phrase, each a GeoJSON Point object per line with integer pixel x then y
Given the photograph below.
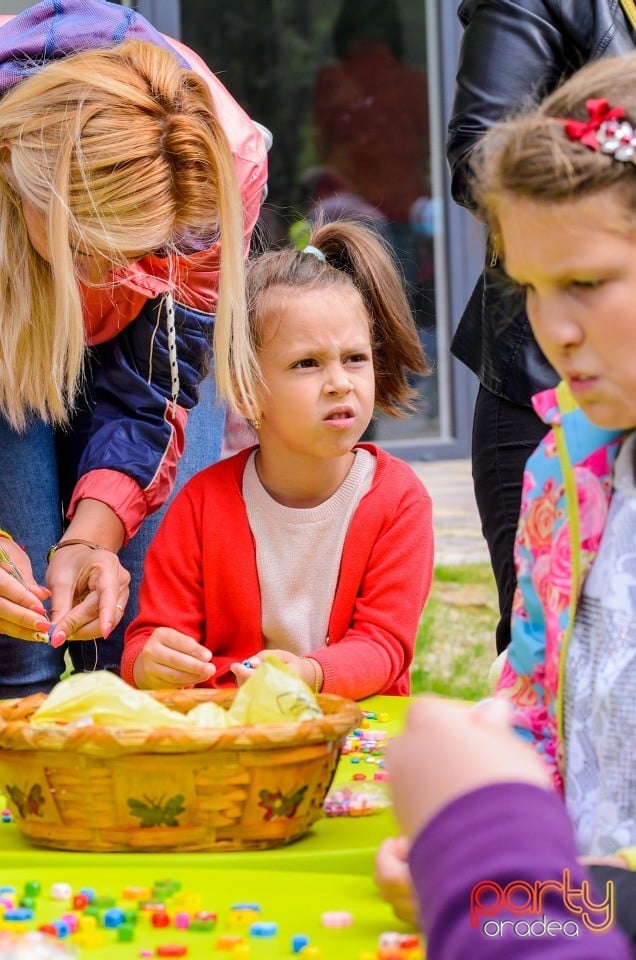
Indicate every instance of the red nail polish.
{"type": "Point", "coordinates": [43, 626]}
{"type": "Point", "coordinates": [58, 638]}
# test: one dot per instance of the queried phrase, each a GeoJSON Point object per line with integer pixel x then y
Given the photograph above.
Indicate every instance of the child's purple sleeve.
{"type": "Point", "coordinates": [502, 834]}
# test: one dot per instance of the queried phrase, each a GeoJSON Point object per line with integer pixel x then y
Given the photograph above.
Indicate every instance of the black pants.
{"type": "Point", "coordinates": [504, 436]}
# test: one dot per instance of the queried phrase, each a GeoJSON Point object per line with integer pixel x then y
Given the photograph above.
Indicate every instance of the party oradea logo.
{"type": "Point", "coordinates": [521, 909]}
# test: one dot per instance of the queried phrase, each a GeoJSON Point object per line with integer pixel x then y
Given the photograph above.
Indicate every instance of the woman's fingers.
{"type": "Point", "coordinates": [89, 593]}
{"type": "Point", "coordinates": [83, 622]}
{"type": "Point", "coordinates": [22, 614]}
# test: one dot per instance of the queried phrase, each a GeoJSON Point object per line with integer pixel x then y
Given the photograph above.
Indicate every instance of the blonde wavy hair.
{"type": "Point", "coordinates": [122, 153]}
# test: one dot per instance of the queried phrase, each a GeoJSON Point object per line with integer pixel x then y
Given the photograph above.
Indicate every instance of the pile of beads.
{"type": "Point", "coordinates": [364, 799]}
{"type": "Point", "coordinates": [363, 746]}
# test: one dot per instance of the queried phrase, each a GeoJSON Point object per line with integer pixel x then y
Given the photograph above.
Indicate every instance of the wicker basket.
{"type": "Point", "coordinates": [106, 788]}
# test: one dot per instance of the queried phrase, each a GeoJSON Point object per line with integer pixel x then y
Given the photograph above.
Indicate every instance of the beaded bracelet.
{"type": "Point", "coordinates": [72, 542]}
{"type": "Point", "coordinates": [314, 667]}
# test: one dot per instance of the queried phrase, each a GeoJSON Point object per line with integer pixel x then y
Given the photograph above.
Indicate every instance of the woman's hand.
{"type": "Point", "coordinates": [172, 659]}
{"type": "Point", "coordinates": [22, 613]}
{"type": "Point", "coordinates": [393, 879]}
{"type": "Point", "coordinates": [89, 592]}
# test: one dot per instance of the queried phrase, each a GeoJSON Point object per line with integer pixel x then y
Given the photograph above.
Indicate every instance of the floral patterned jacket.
{"type": "Point", "coordinates": [566, 493]}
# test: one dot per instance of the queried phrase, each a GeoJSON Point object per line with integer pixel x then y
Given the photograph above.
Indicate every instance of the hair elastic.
{"type": "Point", "coordinates": [315, 252]}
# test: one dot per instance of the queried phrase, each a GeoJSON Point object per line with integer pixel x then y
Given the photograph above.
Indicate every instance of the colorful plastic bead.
{"type": "Point", "coordinates": [136, 894]}
{"type": "Point", "coordinates": [71, 920]}
{"type": "Point", "coordinates": [125, 933]}
{"type": "Point", "coordinates": [160, 919]}
{"type": "Point", "coordinates": [32, 888]}
{"type": "Point", "coordinates": [18, 915]}
{"type": "Point", "coordinates": [171, 950]}
{"type": "Point", "coordinates": [200, 926]}
{"type": "Point", "coordinates": [228, 942]}
{"type": "Point", "coordinates": [113, 917]}
{"type": "Point", "coordinates": [298, 941]}
{"type": "Point", "coordinates": [166, 888]}
{"type": "Point", "coordinates": [336, 918]}
{"type": "Point", "coordinates": [263, 928]}
{"type": "Point", "coordinates": [181, 920]}
{"type": "Point", "coordinates": [389, 939]}
{"type": "Point", "coordinates": [206, 915]}
{"type": "Point", "coordinates": [61, 891]}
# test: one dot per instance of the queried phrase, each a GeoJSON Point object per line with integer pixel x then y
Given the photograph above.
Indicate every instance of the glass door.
{"type": "Point", "coordinates": [344, 86]}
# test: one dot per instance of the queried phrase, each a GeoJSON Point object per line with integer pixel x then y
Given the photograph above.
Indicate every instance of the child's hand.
{"type": "Point", "coordinates": [449, 749]}
{"type": "Point", "coordinates": [172, 659]}
{"type": "Point", "coordinates": [393, 879]}
{"type": "Point", "coordinates": [299, 665]}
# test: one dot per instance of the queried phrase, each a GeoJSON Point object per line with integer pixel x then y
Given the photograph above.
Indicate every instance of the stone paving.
{"type": "Point", "coordinates": [458, 537]}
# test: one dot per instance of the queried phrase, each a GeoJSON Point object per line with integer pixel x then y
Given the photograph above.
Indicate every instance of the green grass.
{"type": "Point", "coordinates": [456, 639]}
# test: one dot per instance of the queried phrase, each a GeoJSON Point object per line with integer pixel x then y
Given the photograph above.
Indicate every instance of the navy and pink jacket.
{"type": "Point", "coordinates": [136, 438]}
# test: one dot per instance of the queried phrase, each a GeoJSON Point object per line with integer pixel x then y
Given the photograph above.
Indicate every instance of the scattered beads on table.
{"type": "Point", "coordinates": [97, 920]}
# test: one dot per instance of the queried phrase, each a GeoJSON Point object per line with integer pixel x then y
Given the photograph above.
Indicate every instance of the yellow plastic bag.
{"type": "Point", "coordinates": [104, 699]}
{"type": "Point", "coordinates": [208, 714]}
{"type": "Point", "coordinates": [273, 694]}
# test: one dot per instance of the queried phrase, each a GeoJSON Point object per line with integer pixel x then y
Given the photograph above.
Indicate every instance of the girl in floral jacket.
{"type": "Point", "coordinates": [558, 186]}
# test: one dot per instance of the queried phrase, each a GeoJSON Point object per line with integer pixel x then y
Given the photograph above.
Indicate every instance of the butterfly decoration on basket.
{"type": "Point", "coordinates": [27, 804]}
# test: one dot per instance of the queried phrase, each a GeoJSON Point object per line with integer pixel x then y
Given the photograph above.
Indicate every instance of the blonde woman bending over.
{"type": "Point", "coordinates": [123, 163]}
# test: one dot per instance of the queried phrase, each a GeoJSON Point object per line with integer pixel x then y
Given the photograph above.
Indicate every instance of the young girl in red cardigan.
{"type": "Point", "coordinates": [309, 545]}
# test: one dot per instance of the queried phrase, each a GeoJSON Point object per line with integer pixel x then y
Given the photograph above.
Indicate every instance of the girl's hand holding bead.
{"type": "Point", "coordinates": [307, 669]}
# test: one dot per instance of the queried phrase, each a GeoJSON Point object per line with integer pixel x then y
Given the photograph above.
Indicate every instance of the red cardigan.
{"type": "Point", "coordinates": [201, 579]}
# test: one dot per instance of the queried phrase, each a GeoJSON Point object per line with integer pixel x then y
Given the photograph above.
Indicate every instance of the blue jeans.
{"type": "Point", "coordinates": [37, 474]}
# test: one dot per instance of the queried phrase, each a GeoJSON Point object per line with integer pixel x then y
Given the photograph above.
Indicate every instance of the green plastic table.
{"type": "Point", "coordinates": [328, 869]}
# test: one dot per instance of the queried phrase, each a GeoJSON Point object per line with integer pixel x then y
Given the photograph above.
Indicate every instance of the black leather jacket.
{"type": "Point", "coordinates": [512, 50]}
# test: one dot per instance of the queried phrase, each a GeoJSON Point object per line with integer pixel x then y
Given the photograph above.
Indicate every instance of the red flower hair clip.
{"type": "Point", "coordinates": [606, 130]}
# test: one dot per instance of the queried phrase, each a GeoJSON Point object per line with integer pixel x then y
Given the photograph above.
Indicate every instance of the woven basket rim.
{"type": "Point", "coordinates": [18, 733]}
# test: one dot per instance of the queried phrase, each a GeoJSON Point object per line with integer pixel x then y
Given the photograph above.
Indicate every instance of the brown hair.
{"type": "Point", "coordinates": [355, 257]}
{"type": "Point", "coordinates": [530, 155]}
{"type": "Point", "coordinates": [120, 150]}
